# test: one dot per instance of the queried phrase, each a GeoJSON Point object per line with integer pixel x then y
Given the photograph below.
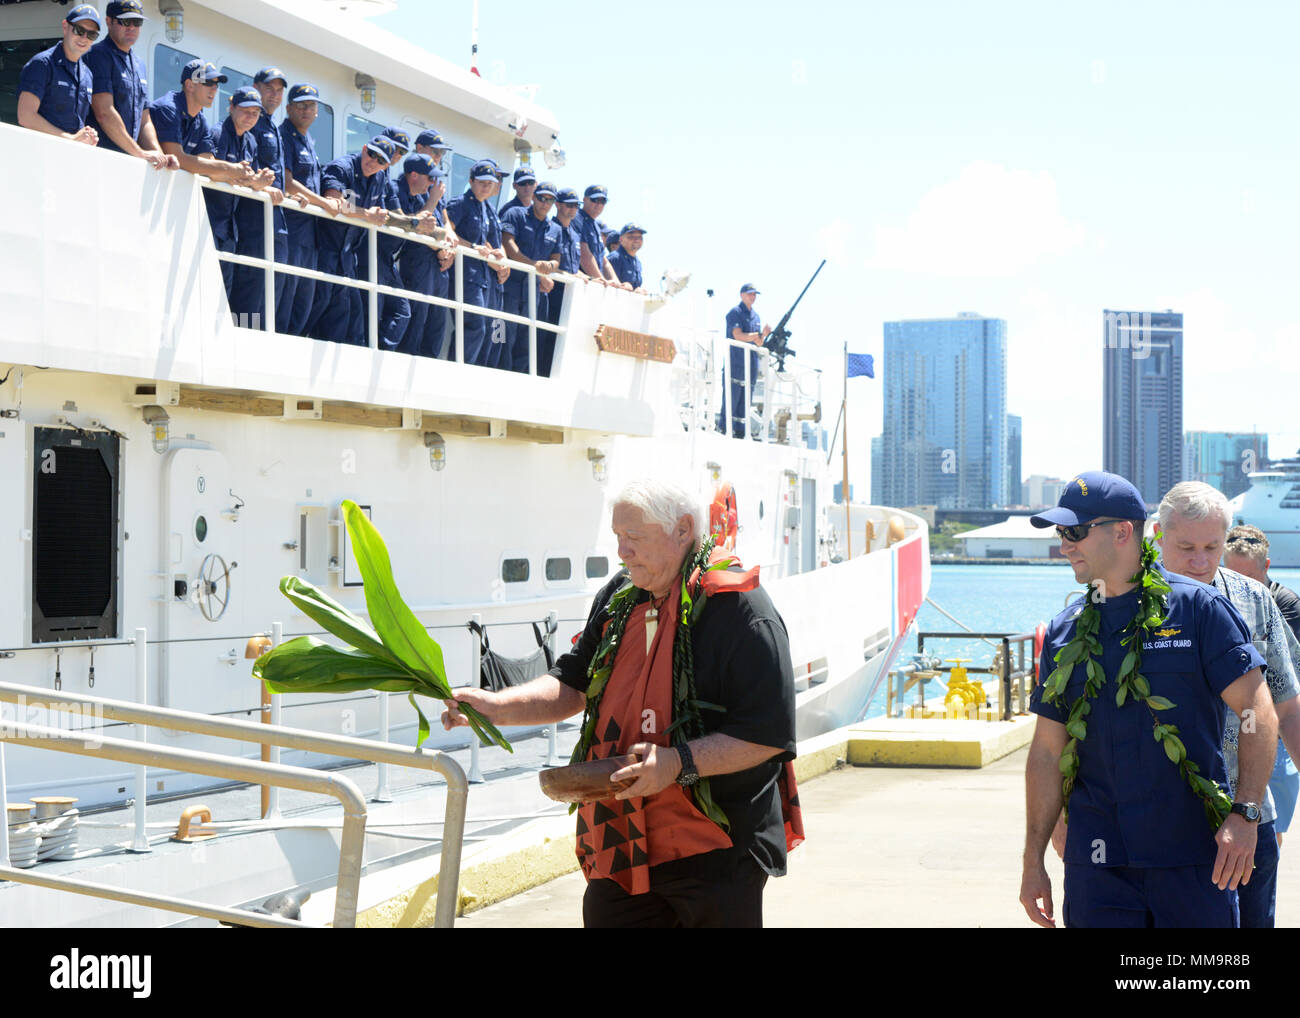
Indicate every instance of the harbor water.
{"type": "Point", "coordinates": [998, 599]}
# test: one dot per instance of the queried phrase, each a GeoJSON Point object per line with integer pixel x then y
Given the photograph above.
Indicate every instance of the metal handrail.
{"type": "Point", "coordinates": [217, 766]}
{"type": "Point", "coordinates": [314, 742]}
{"type": "Point", "coordinates": [372, 286]}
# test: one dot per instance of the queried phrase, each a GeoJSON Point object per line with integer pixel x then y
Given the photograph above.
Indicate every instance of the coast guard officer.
{"type": "Point", "coordinates": [570, 255]}
{"type": "Point", "coordinates": [525, 181]}
{"type": "Point", "coordinates": [429, 143]}
{"type": "Point", "coordinates": [421, 266]}
{"type": "Point", "coordinates": [183, 131]}
{"type": "Point", "coordinates": [627, 266]}
{"type": "Point", "coordinates": [1139, 850]}
{"type": "Point", "coordinates": [594, 262]}
{"type": "Point", "coordinates": [469, 216]}
{"type": "Point", "coordinates": [358, 180]}
{"type": "Point", "coordinates": [530, 237]}
{"type": "Point", "coordinates": [119, 101]}
{"type": "Point", "coordinates": [55, 86]}
{"type": "Point", "coordinates": [394, 312]}
{"type": "Point", "coordinates": [743, 326]}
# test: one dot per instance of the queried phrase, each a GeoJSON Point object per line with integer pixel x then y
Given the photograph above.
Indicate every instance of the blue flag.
{"type": "Point", "coordinates": [861, 364]}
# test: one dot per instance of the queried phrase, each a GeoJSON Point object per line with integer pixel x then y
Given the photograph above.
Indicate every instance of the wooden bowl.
{"type": "Point", "coordinates": [585, 782]}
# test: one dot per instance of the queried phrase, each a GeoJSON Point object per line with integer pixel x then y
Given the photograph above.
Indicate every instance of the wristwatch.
{"type": "Point", "coordinates": [690, 775]}
{"type": "Point", "coordinates": [1249, 810]}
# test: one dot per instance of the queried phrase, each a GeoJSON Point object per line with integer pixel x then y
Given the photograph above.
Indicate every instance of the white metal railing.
{"type": "Point", "coordinates": [374, 289]}
{"type": "Point", "coordinates": [782, 402]}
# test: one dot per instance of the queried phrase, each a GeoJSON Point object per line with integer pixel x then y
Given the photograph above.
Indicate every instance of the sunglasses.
{"type": "Point", "coordinates": [543, 200]}
{"type": "Point", "coordinates": [598, 201]}
{"type": "Point", "coordinates": [1245, 540]}
{"type": "Point", "coordinates": [1079, 531]}
{"type": "Point", "coordinates": [86, 33]}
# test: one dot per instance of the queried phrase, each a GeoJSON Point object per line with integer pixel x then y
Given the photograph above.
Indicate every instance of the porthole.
{"type": "Point", "coordinates": [515, 570]}
{"type": "Point", "coordinates": [558, 569]}
{"type": "Point", "coordinates": [597, 567]}
{"type": "Point", "coordinates": [200, 529]}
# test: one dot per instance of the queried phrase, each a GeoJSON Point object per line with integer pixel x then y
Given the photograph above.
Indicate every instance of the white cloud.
{"type": "Point", "coordinates": [989, 221]}
{"type": "Point", "coordinates": [833, 238]}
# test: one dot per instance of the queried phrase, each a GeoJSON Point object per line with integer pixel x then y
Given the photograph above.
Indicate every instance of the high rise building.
{"type": "Point", "coordinates": [1040, 491]}
{"type": "Point", "coordinates": [1013, 460]}
{"type": "Point", "coordinates": [877, 469]}
{"type": "Point", "coordinates": [944, 438]}
{"type": "Point", "coordinates": [1223, 459]}
{"type": "Point", "coordinates": [1142, 399]}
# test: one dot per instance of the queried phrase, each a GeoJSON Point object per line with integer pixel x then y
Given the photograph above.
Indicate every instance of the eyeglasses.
{"type": "Point", "coordinates": [1079, 531]}
{"type": "Point", "coordinates": [86, 33]}
{"type": "Point", "coordinates": [543, 200]}
{"type": "Point", "coordinates": [598, 201]}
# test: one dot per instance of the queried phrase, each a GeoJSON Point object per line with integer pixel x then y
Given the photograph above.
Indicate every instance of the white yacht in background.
{"type": "Point", "coordinates": [165, 467]}
{"type": "Point", "coordinates": [1272, 503]}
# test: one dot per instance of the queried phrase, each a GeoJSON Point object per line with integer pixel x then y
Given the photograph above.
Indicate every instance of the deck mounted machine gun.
{"type": "Point", "coordinates": [777, 342]}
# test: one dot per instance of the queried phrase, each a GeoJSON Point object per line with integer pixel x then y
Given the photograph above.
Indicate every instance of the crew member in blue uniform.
{"type": "Point", "coordinates": [338, 313]}
{"type": "Point", "coordinates": [303, 175]}
{"type": "Point", "coordinates": [394, 312]}
{"type": "Point", "coordinates": [430, 143]}
{"type": "Point", "coordinates": [1139, 850]}
{"type": "Point", "coordinates": [567, 203]}
{"type": "Point", "coordinates": [470, 217]}
{"type": "Point", "coordinates": [422, 267]}
{"type": "Point", "coordinates": [743, 326]}
{"type": "Point", "coordinates": [119, 103]}
{"type": "Point", "coordinates": [184, 132]}
{"type": "Point", "coordinates": [498, 341]}
{"type": "Point", "coordinates": [627, 266]}
{"type": "Point", "coordinates": [531, 237]}
{"type": "Point", "coordinates": [594, 262]}
{"type": "Point", "coordinates": [55, 85]}
{"type": "Point", "coordinates": [525, 181]}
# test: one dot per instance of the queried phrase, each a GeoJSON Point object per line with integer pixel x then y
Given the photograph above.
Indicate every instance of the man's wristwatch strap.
{"type": "Point", "coordinates": [689, 775]}
{"type": "Point", "coordinates": [1249, 810]}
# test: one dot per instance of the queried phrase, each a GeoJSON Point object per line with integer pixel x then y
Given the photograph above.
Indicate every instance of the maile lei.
{"type": "Point", "coordinates": [1129, 685]}
{"type": "Point", "coordinates": [686, 722]}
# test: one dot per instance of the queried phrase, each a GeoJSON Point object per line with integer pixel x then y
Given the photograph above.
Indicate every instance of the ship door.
{"type": "Point", "coordinates": [808, 534]}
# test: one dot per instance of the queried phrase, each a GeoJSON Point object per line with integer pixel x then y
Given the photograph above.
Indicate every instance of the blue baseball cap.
{"type": "Point", "coordinates": [431, 139]}
{"type": "Point", "coordinates": [399, 137]}
{"type": "Point", "coordinates": [1091, 496]}
{"type": "Point", "coordinates": [525, 175]}
{"type": "Point", "coordinates": [382, 148]}
{"type": "Point", "coordinates": [631, 228]}
{"type": "Point", "coordinates": [245, 97]}
{"type": "Point", "coordinates": [596, 191]}
{"type": "Point", "coordinates": [203, 71]}
{"type": "Point", "coordinates": [750, 288]}
{"type": "Point", "coordinates": [304, 93]}
{"type": "Point", "coordinates": [84, 12]}
{"type": "Point", "coordinates": [567, 196]}
{"type": "Point", "coordinates": [420, 163]}
{"type": "Point", "coordinates": [126, 10]}
{"type": "Point", "coordinates": [484, 169]}
{"type": "Point", "coordinates": [546, 188]}
{"type": "Point", "coordinates": [269, 74]}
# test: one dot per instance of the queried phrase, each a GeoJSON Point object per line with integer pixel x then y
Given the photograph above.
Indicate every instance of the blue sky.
{"type": "Point", "coordinates": [1028, 161]}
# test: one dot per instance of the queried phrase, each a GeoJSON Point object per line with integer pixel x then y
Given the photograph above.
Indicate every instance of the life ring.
{"type": "Point", "coordinates": [723, 516]}
{"type": "Point", "coordinates": [1040, 637]}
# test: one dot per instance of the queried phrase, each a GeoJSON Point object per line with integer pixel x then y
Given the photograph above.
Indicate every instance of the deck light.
{"type": "Point", "coordinates": [158, 421]}
{"type": "Point", "coordinates": [173, 19]}
{"type": "Point", "coordinates": [366, 85]}
{"type": "Point", "coordinates": [597, 458]}
{"type": "Point", "coordinates": [554, 156]}
{"type": "Point", "coordinates": [437, 447]}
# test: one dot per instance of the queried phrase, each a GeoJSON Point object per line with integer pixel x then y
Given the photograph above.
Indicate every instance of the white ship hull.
{"type": "Point", "coordinates": [1272, 503]}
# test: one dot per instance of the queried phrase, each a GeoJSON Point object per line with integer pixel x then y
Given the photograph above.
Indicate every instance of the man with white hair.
{"type": "Point", "coordinates": [1194, 520]}
{"type": "Point", "coordinates": [701, 692]}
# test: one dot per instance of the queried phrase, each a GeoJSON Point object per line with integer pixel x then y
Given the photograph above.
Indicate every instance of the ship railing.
{"type": "Point", "coordinates": [374, 289]}
{"type": "Point", "coordinates": [271, 773]}
{"type": "Point", "coordinates": [775, 402]}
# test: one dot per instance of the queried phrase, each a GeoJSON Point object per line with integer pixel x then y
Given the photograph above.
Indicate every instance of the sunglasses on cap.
{"type": "Point", "coordinates": [87, 33]}
{"type": "Point", "coordinates": [1079, 531]}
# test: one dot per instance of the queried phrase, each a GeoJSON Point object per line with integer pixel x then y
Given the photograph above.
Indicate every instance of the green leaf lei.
{"type": "Point", "coordinates": [1130, 685]}
{"type": "Point", "coordinates": [686, 722]}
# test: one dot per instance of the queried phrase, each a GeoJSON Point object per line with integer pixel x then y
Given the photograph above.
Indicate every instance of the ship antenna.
{"type": "Point", "coordinates": [473, 47]}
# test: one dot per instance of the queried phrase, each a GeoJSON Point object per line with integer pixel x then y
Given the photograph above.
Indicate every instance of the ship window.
{"type": "Point", "coordinates": [558, 568]}
{"type": "Point", "coordinates": [514, 570]}
{"type": "Point", "coordinates": [74, 534]}
{"type": "Point", "coordinates": [459, 173]}
{"type": "Point", "coordinates": [221, 105]}
{"type": "Point", "coordinates": [360, 131]}
{"type": "Point", "coordinates": [201, 529]}
{"type": "Point", "coordinates": [167, 64]}
{"type": "Point", "coordinates": [14, 54]}
{"type": "Point", "coordinates": [597, 567]}
{"type": "Point", "coordinates": [322, 132]}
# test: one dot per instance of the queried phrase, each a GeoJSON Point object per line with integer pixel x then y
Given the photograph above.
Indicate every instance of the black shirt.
{"type": "Point", "coordinates": [742, 663]}
{"type": "Point", "coordinates": [1288, 603]}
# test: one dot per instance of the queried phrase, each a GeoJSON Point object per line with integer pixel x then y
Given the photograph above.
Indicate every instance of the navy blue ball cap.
{"type": "Point", "coordinates": [382, 148]}
{"type": "Point", "coordinates": [596, 191]}
{"type": "Point", "coordinates": [750, 288]}
{"type": "Point", "coordinates": [431, 139]}
{"type": "Point", "coordinates": [203, 71]}
{"type": "Point", "coordinates": [270, 74]}
{"type": "Point", "coordinates": [84, 12]}
{"type": "Point", "coordinates": [546, 189]}
{"type": "Point", "coordinates": [127, 10]}
{"type": "Point", "coordinates": [400, 137]}
{"type": "Point", "coordinates": [304, 93]}
{"type": "Point", "coordinates": [632, 228]}
{"type": "Point", "coordinates": [484, 169]}
{"type": "Point", "coordinates": [245, 97]}
{"type": "Point", "coordinates": [418, 163]}
{"type": "Point", "coordinates": [525, 175]}
{"type": "Point", "coordinates": [1091, 496]}
{"type": "Point", "coordinates": [567, 196]}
